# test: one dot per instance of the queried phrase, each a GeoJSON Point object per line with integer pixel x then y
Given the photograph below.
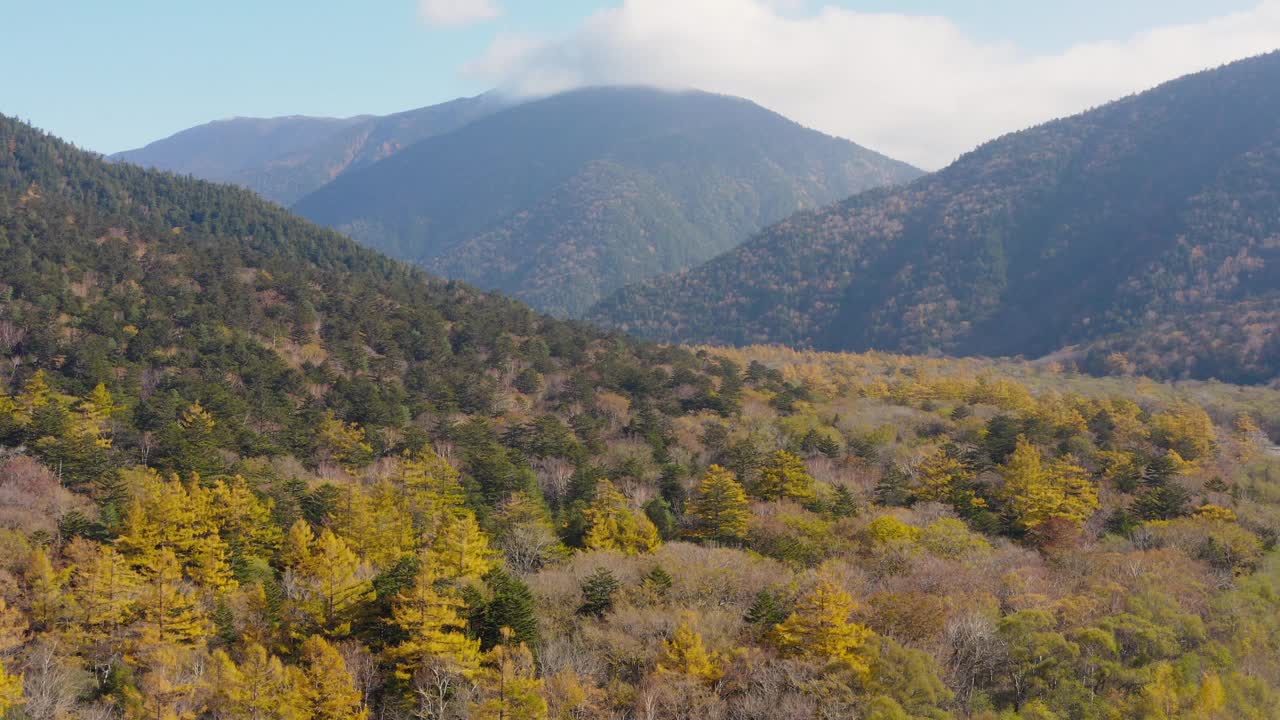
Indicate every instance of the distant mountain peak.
{"type": "Point", "coordinates": [563, 199]}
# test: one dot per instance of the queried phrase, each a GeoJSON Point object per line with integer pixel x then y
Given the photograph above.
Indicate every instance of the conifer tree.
{"type": "Point", "coordinates": [167, 612]}
{"type": "Point", "coordinates": [1034, 494]}
{"type": "Point", "coordinates": [330, 689]}
{"type": "Point", "coordinates": [511, 607]}
{"type": "Point", "coordinates": [718, 509]}
{"type": "Point", "coordinates": [509, 686]}
{"type": "Point", "coordinates": [820, 628]}
{"type": "Point", "coordinates": [190, 445]}
{"type": "Point", "coordinates": [46, 587]}
{"type": "Point", "coordinates": [657, 581]}
{"type": "Point", "coordinates": [613, 525]}
{"type": "Point", "coordinates": [766, 609]}
{"type": "Point", "coordinates": [430, 615]}
{"type": "Point", "coordinates": [333, 579]}
{"type": "Point", "coordinates": [461, 549]}
{"type": "Point", "coordinates": [685, 654]}
{"type": "Point", "coordinates": [784, 476]}
{"type": "Point", "coordinates": [597, 592]}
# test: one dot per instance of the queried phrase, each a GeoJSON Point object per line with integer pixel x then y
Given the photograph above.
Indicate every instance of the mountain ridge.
{"type": "Point", "coordinates": [1081, 231]}
{"type": "Point", "coordinates": [300, 153]}
{"type": "Point", "coordinates": [596, 187]}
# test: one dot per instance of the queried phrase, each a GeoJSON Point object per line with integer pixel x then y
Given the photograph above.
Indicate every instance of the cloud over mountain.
{"type": "Point", "coordinates": [912, 86]}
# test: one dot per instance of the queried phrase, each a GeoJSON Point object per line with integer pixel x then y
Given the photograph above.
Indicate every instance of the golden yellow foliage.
{"type": "Point", "coordinates": [820, 628]}
{"type": "Point", "coordinates": [613, 525]}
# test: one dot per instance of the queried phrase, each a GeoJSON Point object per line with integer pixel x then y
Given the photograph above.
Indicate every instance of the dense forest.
{"type": "Point", "coordinates": [252, 470]}
{"type": "Point", "coordinates": [285, 158]}
{"type": "Point", "coordinates": [1140, 236]}
{"type": "Point", "coordinates": [561, 201]}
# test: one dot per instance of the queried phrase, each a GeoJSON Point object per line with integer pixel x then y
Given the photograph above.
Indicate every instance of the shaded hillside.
{"type": "Point", "coordinates": [173, 291]}
{"type": "Point", "coordinates": [561, 201]}
{"type": "Point", "coordinates": [1149, 227]}
{"type": "Point", "coordinates": [285, 158]}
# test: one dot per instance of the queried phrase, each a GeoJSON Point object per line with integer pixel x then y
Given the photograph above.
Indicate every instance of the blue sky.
{"type": "Point", "coordinates": [111, 76]}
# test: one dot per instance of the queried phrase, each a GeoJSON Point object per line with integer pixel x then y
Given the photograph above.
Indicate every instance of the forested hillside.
{"type": "Point", "coordinates": [561, 201]}
{"type": "Point", "coordinates": [249, 469]}
{"type": "Point", "coordinates": [285, 158]}
{"type": "Point", "coordinates": [1143, 235]}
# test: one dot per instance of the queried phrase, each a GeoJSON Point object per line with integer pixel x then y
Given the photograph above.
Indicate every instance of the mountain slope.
{"type": "Point", "coordinates": [171, 291]}
{"type": "Point", "coordinates": [1148, 227]}
{"type": "Point", "coordinates": [287, 157]}
{"type": "Point", "coordinates": [562, 200]}
{"type": "Point", "coordinates": [249, 468]}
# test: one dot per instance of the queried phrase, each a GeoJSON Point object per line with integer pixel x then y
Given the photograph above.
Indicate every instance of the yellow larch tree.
{"type": "Point", "coordinates": [260, 687]}
{"type": "Point", "coordinates": [345, 441]}
{"type": "Point", "coordinates": [461, 549]}
{"type": "Point", "coordinates": [10, 690]}
{"type": "Point", "coordinates": [1035, 494]}
{"type": "Point", "coordinates": [820, 628]}
{"type": "Point", "coordinates": [937, 476]}
{"type": "Point", "coordinates": [169, 683]}
{"type": "Point", "coordinates": [296, 551]}
{"type": "Point", "coordinates": [784, 476]}
{"type": "Point", "coordinates": [1186, 429]}
{"type": "Point", "coordinates": [430, 615]}
{"type": "Point", "coordinates": [614, 525]}
{"type": "Point", "coordinates": [330, 688]}
{"type": "Point", "coordinates": [331, 578]}
{"type": "Point", "coordinates": [433, 487]}
{"type": "Point", "coordinates": [35, 394]}
{"type": "Point", "coordinates": [184, 519]}
{"type": "Point", "coordinates": [104, 586]}
{"type": "Point", "coordinates": [509, 686]}
{"type": "Point", "coordinates": [47, 590]}
{"type": "Point", "coordinates": [93, 417]}
{"type": "Point", "coordinates": [378, 525]}
{"type": "Point", "coordinates": [685, 654]}
{"type": "Point", "coordinates": [167, 612]}
{"type": "Point", "coordinates": [719, 508]}
{"type": "Point", "coordinates": [244, 520]}
{"type": "Point", "coordinates": [13, 628]}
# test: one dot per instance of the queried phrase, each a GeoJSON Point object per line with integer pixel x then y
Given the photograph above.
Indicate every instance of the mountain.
{"type": "Point", "coordinates": [172, 290]}
{"type": "Point", "coordinates": [249, 468]}
{"type": "Point", "coordinates": [1143, 234]}
{"type": "Point", "coordinates": [563, 200]}
{"type": "Point", "coordinates": [285, 158]}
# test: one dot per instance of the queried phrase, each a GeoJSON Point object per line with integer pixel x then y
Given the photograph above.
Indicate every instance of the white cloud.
{"type": "Point", "coordinates": [457, 12]}
{"type": "Point", "coordinates": [915, 87]}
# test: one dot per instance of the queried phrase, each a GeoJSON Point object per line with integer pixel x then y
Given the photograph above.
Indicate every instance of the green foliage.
{"type": "Point", "coordinates": [1042, 239]}
{"type": "Point", "coordinates": [332, 561]}
{"type": "Point", "coordinates": [510, 605]}
{"type": "Point", "coordinates": [563, 200]}
{"type": "Point", "coordinates": [285, 158]}
{"type": "Point", "coordinates": [598, 591]}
